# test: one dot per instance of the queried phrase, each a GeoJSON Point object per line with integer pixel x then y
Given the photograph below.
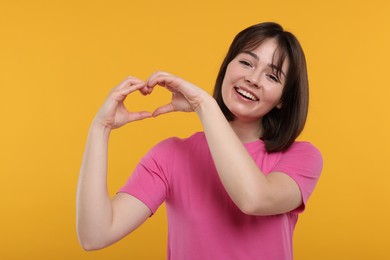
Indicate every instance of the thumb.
{"type": "Point", "coordinates": [134, 116]}
{"type": "Point", "coordinates": [168, 108]}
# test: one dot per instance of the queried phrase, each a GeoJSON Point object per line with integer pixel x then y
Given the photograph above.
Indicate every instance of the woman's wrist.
{"type": "Point", "coordinates": [99, 128]}
{"type": "Point", "coordinates": [206, 106]}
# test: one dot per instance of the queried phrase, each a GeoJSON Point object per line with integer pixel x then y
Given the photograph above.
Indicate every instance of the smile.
{"type": "Point", "coordinates": [246, 94]}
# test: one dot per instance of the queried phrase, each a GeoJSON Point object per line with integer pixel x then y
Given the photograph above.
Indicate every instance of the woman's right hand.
{"type": "Point", "coordinates": [186, 97]}
{"type": "Point", "coordinates": [113, 113]}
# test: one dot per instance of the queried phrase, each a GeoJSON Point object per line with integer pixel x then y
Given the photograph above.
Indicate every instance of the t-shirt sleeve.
{"type": "Point", "coordinates": [303, 163]}
{"type": "Point", "coordinates": [149, 181]}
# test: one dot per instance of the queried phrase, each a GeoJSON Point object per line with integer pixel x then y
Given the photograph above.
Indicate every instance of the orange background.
{"type": "Point", "coordinates": [59, 59]}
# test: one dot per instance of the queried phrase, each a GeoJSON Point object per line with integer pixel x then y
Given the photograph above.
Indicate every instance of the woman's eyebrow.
{"type": "Point", "coordinates": [251, 54]}
{"type": "Point", "coordinates": [272, 66]}
{"type": "Point", "coordinates": [278, 69]}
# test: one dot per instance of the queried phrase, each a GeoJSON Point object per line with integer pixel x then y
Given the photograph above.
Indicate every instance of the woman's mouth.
{"type": "Point", "coordinates": [246, 94]}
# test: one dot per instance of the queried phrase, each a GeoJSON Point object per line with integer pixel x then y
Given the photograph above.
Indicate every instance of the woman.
{"type": "Point", "coordinates": [233, 191]}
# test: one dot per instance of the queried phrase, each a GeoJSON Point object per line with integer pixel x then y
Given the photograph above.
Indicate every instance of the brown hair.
{"type": "Point", "coordinates": [281, 126]}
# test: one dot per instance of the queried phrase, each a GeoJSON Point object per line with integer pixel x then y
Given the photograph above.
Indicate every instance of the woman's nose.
{"type": "Point", "coordinates": [253, 80]}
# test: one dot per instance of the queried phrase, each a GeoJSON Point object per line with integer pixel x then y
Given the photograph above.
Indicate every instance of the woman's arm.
{"type": "Point", "coordinates": [100, 220]}
{"type": "Point", "coordinates": [253, 192]}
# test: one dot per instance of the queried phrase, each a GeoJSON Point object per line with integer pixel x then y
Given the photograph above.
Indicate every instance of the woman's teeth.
{"type": "Point", "coordinates": [246, 94]}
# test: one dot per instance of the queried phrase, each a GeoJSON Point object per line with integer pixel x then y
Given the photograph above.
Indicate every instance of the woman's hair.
{"type": "Point", "coordinates": [281, 126]}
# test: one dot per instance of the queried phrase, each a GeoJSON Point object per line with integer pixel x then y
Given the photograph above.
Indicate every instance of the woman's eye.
{"type": "Point", "coordinates": [246, 63]}
{"type": "Point", "coordinates": [273, 78]}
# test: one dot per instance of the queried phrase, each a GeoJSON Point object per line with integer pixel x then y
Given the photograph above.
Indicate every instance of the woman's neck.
{"type": "Point", "coordinates": [247, 131]}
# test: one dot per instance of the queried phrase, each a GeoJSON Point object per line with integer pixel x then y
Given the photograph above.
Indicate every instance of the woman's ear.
{"type": "Point", "coordinates": [279, 106]}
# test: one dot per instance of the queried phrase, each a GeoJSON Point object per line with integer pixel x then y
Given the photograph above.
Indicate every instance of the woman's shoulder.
{"type": "Point", "coordinates": [304, 150]}
{"type": "Point", "coordinates": [175, 142]}
{"type": "Point", "coordinates": [302, 146]}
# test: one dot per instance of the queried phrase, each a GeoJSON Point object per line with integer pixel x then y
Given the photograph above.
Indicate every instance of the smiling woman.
{"type": "Point", "coordinates": [286, 64]}
{"type": "Point", "coordinates": [233, 191]}
{"type": "Point", "coordinates": [251, 76]}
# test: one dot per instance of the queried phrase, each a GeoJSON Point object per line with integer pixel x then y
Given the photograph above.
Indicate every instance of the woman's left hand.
{"type": "Point", "coordinates": [186, 97]}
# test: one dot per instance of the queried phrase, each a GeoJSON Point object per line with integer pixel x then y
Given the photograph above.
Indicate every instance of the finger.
{"type": "Point", "coordinates": [155, 75]}
{"type": "Point", "coordinates": [164, 109]}
{"type": "Point", "coordinates": [145, 91]}
{"type": "Point", "coordinates": [134, 116]}
{"type": "Point", "coordinates": [171, 83]}
{"type": "Point", "coordinates": [131, 88]}
{"type": "Point", "coordinates": [128, 82]}
{"type": "Point", "coordinates": [158, 78]}
{"type": "Point", "coordinates": [121, 94]}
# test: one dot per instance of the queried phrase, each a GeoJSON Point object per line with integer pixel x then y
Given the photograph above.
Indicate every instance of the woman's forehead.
{"type": "Point", "coordinates": [279, 54]}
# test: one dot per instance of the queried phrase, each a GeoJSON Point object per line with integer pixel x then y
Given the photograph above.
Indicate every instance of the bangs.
{"type": "Point", "coordinates": [278, 57]}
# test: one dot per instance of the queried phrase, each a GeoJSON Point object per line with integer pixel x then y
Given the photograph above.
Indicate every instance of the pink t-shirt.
{"type": "Point", "coordinates": [203, 222]}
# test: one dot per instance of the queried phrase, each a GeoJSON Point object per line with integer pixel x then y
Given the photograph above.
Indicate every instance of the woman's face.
{"type": "Point", "coordinates": [251, 86]}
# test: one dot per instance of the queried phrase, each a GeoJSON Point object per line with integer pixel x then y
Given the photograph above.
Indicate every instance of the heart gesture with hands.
{"type": "Point", "coordinates": [186, 97]}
